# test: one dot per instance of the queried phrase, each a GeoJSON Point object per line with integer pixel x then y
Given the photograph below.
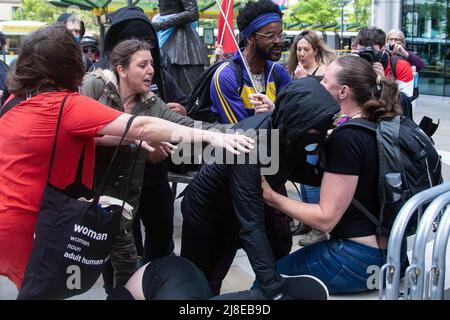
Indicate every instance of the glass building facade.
{"type": "Point", "coordinates": [425, 24]}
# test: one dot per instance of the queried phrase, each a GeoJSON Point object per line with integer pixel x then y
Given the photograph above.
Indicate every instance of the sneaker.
{"type": "Point", "coordinates": [311, 237]}
{"type": "Point", "coordinates": [301, 287]}
{"type": "Point", "coordinates": [304, 287]}
{"type": "Point", "coordinates": [301, 229]}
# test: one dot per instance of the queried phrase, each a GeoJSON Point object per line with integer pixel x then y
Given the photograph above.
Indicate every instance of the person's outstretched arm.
{"type": "Point", "coordinates": [154, 130]}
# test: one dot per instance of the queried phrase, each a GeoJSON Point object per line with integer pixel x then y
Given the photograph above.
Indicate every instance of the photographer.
{"type": "Point", "coordinates": [371, 46]}
{"type": "Point", "coordinates": [396, 44]}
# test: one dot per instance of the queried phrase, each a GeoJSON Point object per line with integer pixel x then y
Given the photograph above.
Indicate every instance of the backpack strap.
{"type": "Point", "coordinates": [375, 221]}
{"type": "Point", "coordinates": [371, 126]}
{"type": "Point", "coordinates": [363, 123]}
{"type": "Point", "coordinates": [10, 104]}
{"type": "Point", "coordinates": [276, 79]}
{"type": "Point", "coordinates": [238, 73]}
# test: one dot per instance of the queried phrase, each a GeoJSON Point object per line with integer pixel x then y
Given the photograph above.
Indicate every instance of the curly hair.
{"type": "Point", "coordinates": [377, 101]}
{"type": "Point", "coordinates": [49, 57]}
{"type": "Point", "coordinates": [254, 9]}
{"type": "Point", "coordinates": [324, 54]}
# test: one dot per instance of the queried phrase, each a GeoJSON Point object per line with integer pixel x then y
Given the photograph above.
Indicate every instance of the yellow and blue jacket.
{"type": "Point", "coordinates": [231, 103]}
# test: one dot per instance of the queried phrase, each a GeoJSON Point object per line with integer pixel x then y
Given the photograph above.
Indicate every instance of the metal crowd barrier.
{"type": "Point", "coordinates": [415, 273]}
{"type": "Point", "coordinates": [434, 286]}
{"type": "Point", "coordinates": [389, 278]}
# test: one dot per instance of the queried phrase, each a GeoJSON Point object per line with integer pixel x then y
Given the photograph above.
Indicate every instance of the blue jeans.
{"type": "Point", "coordinates": [310, 194]}
{"type": "Point", "coordinates": [341, 264]}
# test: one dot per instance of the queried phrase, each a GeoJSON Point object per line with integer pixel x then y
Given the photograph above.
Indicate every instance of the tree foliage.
{"type": "Point", "coordinates": [38, 10]}
{"type": "Point", "coordinates": [41, 10]}
{"type": "Point", "coordinates": [310, 13]}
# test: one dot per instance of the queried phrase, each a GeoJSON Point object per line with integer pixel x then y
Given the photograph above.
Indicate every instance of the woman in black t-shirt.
{"type": "Point", "coordinates": [346, 262]}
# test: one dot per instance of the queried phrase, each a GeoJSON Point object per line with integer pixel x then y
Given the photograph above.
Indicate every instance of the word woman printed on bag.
{"type": "Point", "coordinates": [75, 245]}
{"type": "Point", "coordinates": [90, 233]}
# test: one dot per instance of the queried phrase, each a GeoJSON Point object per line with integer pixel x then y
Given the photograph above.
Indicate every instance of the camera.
{"type": "Point", "coordinates": [390, 47]}
{"type": "Point", "coordinates": [370, 54]}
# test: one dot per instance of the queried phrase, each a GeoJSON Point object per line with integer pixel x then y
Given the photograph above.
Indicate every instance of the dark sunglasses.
{"type": "Point", "coordinates": [91, 50]}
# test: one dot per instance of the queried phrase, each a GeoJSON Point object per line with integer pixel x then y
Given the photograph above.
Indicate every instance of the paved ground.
{"type": "Point", "coordinates": [240, 276]}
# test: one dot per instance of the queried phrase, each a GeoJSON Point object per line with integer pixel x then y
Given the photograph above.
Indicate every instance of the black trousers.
{"type": "Point", "coordinates": [156, 212]}
{"type": "Point", "coordinates": [212, 246]}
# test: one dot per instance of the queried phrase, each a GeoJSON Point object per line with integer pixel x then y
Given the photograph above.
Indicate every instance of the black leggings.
{"type": "Point", "coordinates": [169, 278]}
{"type": "Point", "coordinates": [156, 212]}
{"type": "Point", "coordinates": [174, 278]}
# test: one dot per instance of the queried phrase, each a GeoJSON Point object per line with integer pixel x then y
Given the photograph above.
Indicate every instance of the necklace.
{"type": "Point", "coordinates": [344, 118]}
{"type": "Point", "coordinates": [355, 114]}
{"type": "Point", "coordinates": [258, 79]}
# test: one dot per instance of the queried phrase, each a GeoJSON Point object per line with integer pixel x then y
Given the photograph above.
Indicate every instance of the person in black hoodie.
{"type": "Point", "coordinates": [223, 208]}
{"type": "Point", "coordinates": [75, 25]}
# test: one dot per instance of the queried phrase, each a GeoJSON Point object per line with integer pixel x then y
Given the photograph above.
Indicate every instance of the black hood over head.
{"type": "Point", "coordinates": [302, 105]}
{"type": "Point", "coordinates": [131, 22]}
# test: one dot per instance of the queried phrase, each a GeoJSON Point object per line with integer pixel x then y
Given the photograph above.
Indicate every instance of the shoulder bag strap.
{"type": "Point", "coordinates": [113, 158]}
{"type": "Point", "coordinates": [55, 139]}
{"type": "Point", "coordinates": [10, 104]}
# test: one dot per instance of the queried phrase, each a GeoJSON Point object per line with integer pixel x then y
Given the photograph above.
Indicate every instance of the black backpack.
{"type": "Point", "coordinates": [199, 104]}
{"type": "Point", "coordinates": [408, 164]}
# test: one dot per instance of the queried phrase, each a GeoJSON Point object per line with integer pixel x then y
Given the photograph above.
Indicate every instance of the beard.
{"type": "Point", "coordinates": [268, 54]}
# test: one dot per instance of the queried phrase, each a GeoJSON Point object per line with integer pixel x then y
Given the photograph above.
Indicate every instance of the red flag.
{"type": "Point", "coordinates": [224, 37]}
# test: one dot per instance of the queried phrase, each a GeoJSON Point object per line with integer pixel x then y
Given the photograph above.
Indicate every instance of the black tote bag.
{"type": "Point", "coordinates": [72, 238]}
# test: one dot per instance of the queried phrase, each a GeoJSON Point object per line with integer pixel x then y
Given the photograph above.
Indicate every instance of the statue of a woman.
{"type": "Point", "coordinates": [179, 39]}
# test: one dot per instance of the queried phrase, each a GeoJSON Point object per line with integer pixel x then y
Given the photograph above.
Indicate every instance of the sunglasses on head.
{"type": "Point", "coordinates": [89, 50]}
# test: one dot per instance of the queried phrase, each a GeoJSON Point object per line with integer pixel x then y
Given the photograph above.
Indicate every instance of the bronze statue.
{"type": "Point", "coordinates": [179, 39]}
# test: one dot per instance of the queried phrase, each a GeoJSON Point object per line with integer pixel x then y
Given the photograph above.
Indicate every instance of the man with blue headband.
{"type": "Point", "coordinates": [260, 27]}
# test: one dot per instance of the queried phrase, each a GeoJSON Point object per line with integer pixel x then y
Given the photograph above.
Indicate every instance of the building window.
{"type": "Point", "coordinates": [425, 26]}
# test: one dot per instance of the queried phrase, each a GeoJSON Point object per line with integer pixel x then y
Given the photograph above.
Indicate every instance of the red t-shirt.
{"type": "Point", "coordinates": [26, 139]}
{"type": "Point", "coordinates": [403, 76]}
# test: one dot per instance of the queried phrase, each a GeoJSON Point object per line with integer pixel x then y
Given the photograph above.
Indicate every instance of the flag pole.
{"type": "Point", "coordinates": [223, 33]}
{"type": "Point", "coordinates": [244, 61]}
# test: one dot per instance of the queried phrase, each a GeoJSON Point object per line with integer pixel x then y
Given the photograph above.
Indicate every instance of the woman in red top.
{"type": "Point", "coordinates": [50, 68]}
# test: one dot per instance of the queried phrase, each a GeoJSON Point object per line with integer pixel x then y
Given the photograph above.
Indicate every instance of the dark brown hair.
{"type": "Point", "coordinates": [367, 37]}
{"type": "Point", "coordinates": [49, 56]}
{"type": "Point", "coordinates": [377, 101]}
{"type": "Point", "coordinates": [324, 54]}
{"type": "Point", "coordinates": [121, 54]}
